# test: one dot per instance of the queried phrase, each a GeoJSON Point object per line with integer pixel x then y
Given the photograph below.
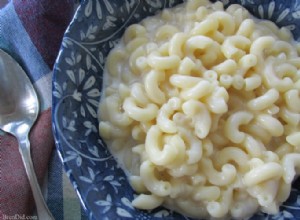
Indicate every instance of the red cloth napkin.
{"type": "Point", "coordinates": [16, 195]}
{"type": "Point", "coordinates": [44, 21]}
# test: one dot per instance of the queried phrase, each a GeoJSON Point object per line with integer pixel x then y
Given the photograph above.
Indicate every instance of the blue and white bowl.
{"type": "Point", "coordinates": [96, 27]}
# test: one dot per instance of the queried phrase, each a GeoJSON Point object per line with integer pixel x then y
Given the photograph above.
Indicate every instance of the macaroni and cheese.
{"type": "Point", "coordinates": [201, 107]}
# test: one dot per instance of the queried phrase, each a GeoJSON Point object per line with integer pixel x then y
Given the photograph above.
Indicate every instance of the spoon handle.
{"type": "Point", "coordinates": [42, 209]}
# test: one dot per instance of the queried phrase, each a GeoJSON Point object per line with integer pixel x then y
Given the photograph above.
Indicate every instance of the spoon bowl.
{"type": "Point", "coordinates": [19, 108]}
{"type": "Point", "coordinates": [18, 101]}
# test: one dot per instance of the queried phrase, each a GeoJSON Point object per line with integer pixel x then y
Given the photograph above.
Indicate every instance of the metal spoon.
{"type": "Point", "coordinates": [19, 108]}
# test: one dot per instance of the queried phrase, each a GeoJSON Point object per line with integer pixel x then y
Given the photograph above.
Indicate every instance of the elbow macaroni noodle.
{"type": "Point", "coordinates": [201, 107]}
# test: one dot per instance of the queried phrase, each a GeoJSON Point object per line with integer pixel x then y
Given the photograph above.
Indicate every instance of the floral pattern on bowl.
{"type": "Point", "coordinates": [96, 27]}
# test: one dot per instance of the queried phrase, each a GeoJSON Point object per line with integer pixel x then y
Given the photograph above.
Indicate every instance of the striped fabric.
{"type": "Point", "coordinates": [2, 3]}
{"type": "Point", "coordinates": [31, 31]}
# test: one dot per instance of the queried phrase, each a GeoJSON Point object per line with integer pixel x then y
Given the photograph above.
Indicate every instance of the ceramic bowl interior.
{"type": "Point", "coordinates": [77, 83]}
